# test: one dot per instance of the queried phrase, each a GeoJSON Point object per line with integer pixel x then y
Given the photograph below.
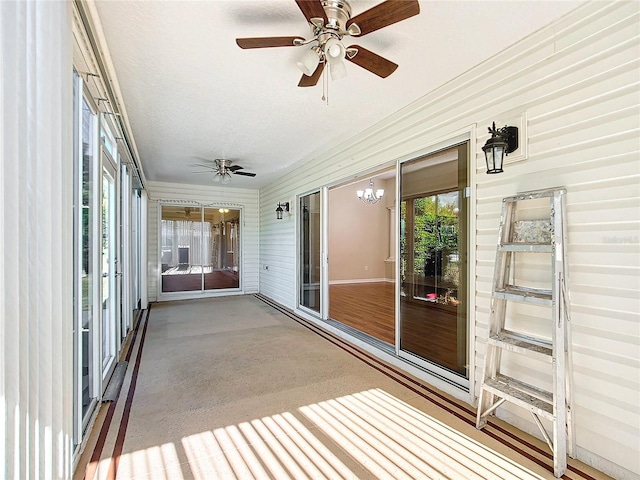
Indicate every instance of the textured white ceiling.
{"type": "Point", "coordinates": [192, 93]}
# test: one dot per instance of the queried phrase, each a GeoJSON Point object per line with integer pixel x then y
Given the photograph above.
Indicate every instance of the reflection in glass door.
{"type": "Point", "coordinates": [221, 248]}
{"type": "Point", "coordinates": [433, 261]}
{"type": "Point", "coordinates": [108, 290]}
{"type": "Point", "coordinates": [309, 295]}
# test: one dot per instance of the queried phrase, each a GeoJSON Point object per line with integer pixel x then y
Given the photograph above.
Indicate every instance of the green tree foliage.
{"type": "Point", "coordinates": [435, 233]}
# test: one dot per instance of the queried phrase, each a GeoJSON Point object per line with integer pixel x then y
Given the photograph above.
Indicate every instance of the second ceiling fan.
{"type": "Point", "coordinates": [222, 170]}
{"type": "Point", "coordinates": [330, 22]}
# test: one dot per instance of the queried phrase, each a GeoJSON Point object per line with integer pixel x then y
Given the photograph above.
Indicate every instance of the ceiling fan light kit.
{"type": "Point", "coordinates": [222, 178]}
{"type": "Point", "coordinates": [309, 61]}
{"type": "Point", "coordinates": [330, 21]}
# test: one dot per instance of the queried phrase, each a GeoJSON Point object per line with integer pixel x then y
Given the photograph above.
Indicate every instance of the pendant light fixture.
{"type": "Point", "coordinates": [370, 194]}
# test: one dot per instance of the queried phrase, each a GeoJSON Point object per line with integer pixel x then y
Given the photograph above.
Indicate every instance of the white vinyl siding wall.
{"type": "Point", "coordinates": [172, 193]}
{"type": "Point", "coordinates": [576, 86]}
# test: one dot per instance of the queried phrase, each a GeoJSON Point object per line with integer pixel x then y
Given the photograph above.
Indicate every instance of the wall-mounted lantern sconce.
{"type": "Point", "coordinates": [503, 141]}
{"type": "Point", "coordinates": [282, 207]}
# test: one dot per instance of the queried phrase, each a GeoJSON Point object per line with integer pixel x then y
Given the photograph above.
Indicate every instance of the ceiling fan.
{"type": "Point", "coordinates": [330, 22]}
{"type": "Point", "coordinates": [223, 169]}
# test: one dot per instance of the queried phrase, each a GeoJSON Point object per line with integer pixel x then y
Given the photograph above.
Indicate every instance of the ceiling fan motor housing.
{"type": "Point", "coordinates": [222, 165]}
{"type": "Point", "coordinates": [338, 13]}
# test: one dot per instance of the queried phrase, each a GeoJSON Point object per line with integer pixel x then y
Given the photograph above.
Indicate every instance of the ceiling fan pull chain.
{"type": "Point", "coordinates": [325, 84]}
{"type": "Point", "coordinates": [324, 77]}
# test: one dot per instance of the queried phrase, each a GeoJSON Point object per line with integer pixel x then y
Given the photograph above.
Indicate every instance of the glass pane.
{"type": "Point", "coordinates": [88, 244]}
{"type": "Point", "coordinates": [433, 323]}
{"type": "Point", "coordinates": [362, 257]}
{"type": "Point", "coordinates": [181, 248]}
{"type": "Point", "coordinates": [310, 251]}
{"type": "Point", "coordinates": [221, 248]}
{"type": "Point", "coordinates": [108, 270]}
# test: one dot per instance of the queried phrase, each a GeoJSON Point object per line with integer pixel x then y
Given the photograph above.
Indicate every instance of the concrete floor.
{"type": "Point", "coordinates": [231, 387]}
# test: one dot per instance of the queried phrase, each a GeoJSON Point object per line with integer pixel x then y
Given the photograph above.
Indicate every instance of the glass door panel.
{"type": "Point", "coordinates": [310, 235]}
{"type": "Point", "coordinates": [361, 245]}
{"type": "Point", "coordinates": [86, 289]}
{"type": "Point", "coordinates": [108, 287]}
{"type": "Point", "coordinates": [181, 248]}
{"type": "Point", "coordinates": [433, 266]}
{"type": "Point", "coordinates": [221, 248]}
{"type": "Point", "coordinates": [126, 320]}
{"type": "Point", "coordinates": [88, 277]}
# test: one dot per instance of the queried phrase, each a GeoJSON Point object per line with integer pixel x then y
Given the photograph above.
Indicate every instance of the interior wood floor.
{"type": "Point", "coordinates": [428, 330]}
{"type": "Point", "coordinates": [193, 281]}
{"type": "Point", "coordinates": [368, 307]}
{"type": "Point", "coordinates": [431, 332]}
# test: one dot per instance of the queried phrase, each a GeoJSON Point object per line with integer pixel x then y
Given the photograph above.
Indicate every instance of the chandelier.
{"type": "Point", "coordinates": [370, 194]}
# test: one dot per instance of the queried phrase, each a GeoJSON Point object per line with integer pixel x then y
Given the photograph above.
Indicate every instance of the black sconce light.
{"type": "Point", "coordinates": [503, 141]}
{"type": "Point", "coordinates": [282, 207]}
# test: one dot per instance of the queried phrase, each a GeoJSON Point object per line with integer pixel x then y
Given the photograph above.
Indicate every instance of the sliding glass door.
{"type": "Point", "coordinates": [361, 241]}
{"type": "Point", "coordinates": [199, 248]}
{"type": "Point", "coordinates": [396, 266]}
{"type": "Point", "coordinates": [109, 297]}
{"type": "Point", "coordinates": [310, 265]}
{"type": "Point", "coordinates": [86, 270]}
{"type": "Point", "coordinates": [433, 262]}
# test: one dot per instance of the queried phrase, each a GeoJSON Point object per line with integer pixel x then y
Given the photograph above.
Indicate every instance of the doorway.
{"type": "Point", "coordinates": [395, 273]}
{"type": "Point", "coordinates": [361, 256]}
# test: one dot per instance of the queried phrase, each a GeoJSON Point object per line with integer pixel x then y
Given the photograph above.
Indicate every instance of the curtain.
{"type": "Point", "coordinates": [186, 242]}
{"type": "Point", "coordinates": [36, 240]}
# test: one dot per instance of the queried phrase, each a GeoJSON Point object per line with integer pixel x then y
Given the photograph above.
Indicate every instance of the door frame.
{"type": "Point", "coordinates": [109, 167]}
{"type": "Point", "coordinates": [420, 368]}
{"type": "Point", "coordinates": [323, 309]}
{"type": "Point", "coordinates": [193, 294]}
{"type": "Point", "coordinates": [80, 421]}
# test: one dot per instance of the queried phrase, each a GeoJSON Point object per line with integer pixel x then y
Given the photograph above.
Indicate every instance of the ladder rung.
{"type": "Point", "coordinates": [526, 247]}
{"type": "Point", "coordinates": [551, 192]}
{"type": "Point", "coordinates": [526, 396]}
{"type": "Point", "coordinates": [524, 294]}
{"type": "Point", "coordinates": [523, 344]}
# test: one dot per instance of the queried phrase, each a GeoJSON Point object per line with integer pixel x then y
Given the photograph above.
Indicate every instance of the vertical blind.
{"type": "Point", "coordinates": [36, 240]}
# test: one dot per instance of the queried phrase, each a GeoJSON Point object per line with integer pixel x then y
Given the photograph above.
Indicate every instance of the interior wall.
{"type": "Point", "coordinates": [215, 196]}
{"type": "Point", "coordinates": [358, 235]}
{"type": "Point", "coordinates": [572, 87]}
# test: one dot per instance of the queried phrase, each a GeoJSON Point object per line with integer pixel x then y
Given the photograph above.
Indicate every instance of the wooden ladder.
{"type": "Point", "coordinates": [546, 237]}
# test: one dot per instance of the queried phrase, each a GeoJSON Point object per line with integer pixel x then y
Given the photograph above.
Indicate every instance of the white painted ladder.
{"type": "Point", "coordinates": [547, 236]}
